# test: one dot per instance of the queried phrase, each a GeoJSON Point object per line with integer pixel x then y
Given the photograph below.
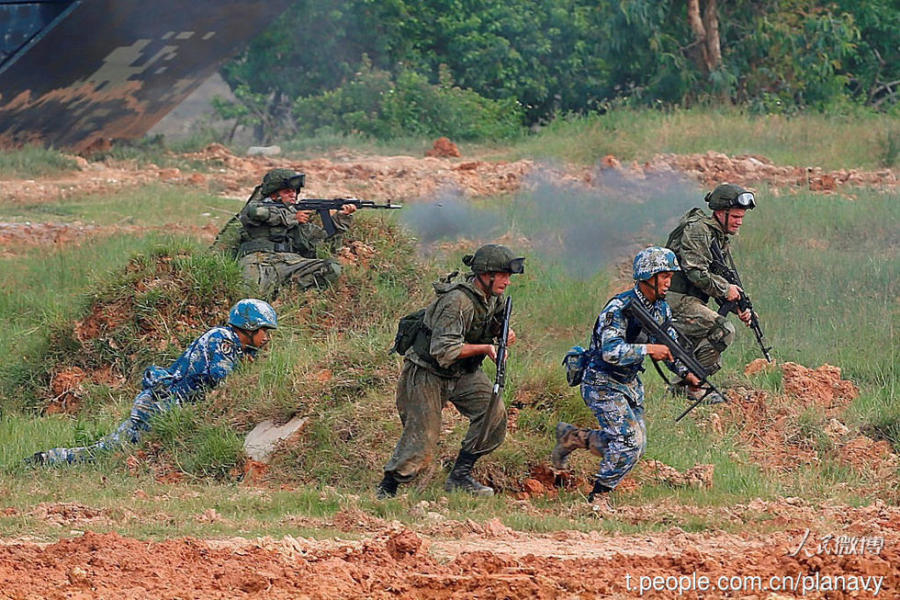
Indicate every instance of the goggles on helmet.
{"type": "Point", "coordinates": [296, 182]}
{"type": "Point", "coordinates": [517, 266]}
{"type": "Point", "coordinates": [745, 200]}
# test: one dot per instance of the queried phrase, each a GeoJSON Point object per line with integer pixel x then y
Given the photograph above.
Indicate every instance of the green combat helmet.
{"type": "Point", "coordinates": [729, 195]}
{"type": "Point", "coordinates": [494, 258]}
{"type": "Point", "coordinates": [281, 179]}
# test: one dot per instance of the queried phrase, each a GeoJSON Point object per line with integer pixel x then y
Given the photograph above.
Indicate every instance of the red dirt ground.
{"type": "Point", "coordinates": [395, 562]}
{"type": "Point", "coordinates": [449, 559]}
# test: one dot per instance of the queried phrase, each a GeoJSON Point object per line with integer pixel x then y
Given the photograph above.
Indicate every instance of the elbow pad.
{"type": "Point", "coordinates": [260, 212]}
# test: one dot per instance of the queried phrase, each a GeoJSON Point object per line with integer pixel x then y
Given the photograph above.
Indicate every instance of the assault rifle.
{"type": "Point", "coordinates": [324, 206]}
{"type": "Point", "coordinates": [730, 274]}
{"type": "Point", "coordinates": [500, 380]}
{"type": "Point", "coordinates": [679, 353]}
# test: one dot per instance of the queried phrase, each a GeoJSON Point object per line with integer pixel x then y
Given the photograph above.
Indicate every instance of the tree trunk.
{"type": "Point", "coordinates": [706, 33]}
{"type": "Point", "coordinates": [713, 47]}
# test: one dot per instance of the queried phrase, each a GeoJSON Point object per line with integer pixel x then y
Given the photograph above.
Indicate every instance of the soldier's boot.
{"type": "Point", "coordinates": [695, 393]}
{"type": "Point", "coordinates": [461, 479]}
{"type": "Point", "coordinates": [599, 498]}
{"type": "Point", "coordinates": [36, 460]}
{"type": "Point", "coordinates": [568, 439]}
{"type": "Point", "coordinates": [387, 488]}
{"type": "Point", "coordinates": [678, 388]}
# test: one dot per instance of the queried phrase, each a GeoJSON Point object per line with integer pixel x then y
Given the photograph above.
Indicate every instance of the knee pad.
{"type": "Point", "coordinates": [721, 335]}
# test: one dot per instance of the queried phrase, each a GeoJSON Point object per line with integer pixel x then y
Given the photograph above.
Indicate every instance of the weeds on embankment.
{"type": "Point", "coordinates": [822, 271]}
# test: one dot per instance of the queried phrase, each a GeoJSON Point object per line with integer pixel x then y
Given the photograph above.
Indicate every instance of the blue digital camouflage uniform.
{"type": "Point", "coordinates": [207, 361]}
{"type": "Point", "coordinates": [612, 388]}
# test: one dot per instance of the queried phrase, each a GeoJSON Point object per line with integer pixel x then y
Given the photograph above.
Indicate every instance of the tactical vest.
{"type": "Point", "coordinates": [634, 334]}
{"type": "Point", "coordinates": [680, 283]}
{"type": "Point", "coordinates": [480, 332]}
{"type": "Point", "coordinates": [262, 237]}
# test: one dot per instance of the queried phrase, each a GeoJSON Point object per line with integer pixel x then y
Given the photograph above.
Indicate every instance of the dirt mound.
{"type": "Point", "coordinates": [802, 426]}
{"type": "Point", "coordinates": [394, 565]}
{"type": "Point", "coordinates": [699, 476]}
{"type": "Point", "coordinates": [823, 386]}
{"type": "Point", "coordinates": [713, 168]}
{"type": "Point", "coordinates": [443, 148]}
{"type": "Point", "coordinates": [147, 312]}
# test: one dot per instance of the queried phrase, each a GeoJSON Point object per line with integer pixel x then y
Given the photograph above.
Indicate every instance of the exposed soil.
{"type": "Point", "coordinates": [395, 562]}
{"type": "Point", "coordinates": [443, 558]}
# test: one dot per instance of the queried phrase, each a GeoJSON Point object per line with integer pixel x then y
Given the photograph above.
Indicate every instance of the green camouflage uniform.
{"type": "Point", "coordinates": [276, 250]}
{"type": "Point", "coordinates": [432, 375]}
{"type": "Point", "coordinates": [693, 286]}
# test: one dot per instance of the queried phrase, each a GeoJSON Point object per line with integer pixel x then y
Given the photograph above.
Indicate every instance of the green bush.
{"type": "Point", "coordinates": [381, 105]}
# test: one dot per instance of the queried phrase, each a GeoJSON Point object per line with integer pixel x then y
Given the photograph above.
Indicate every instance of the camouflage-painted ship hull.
{"type": "Point", "coordinates": [78, 73]}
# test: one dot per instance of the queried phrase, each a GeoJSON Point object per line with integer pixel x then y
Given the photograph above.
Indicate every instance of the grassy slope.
{"type": "Point", "coordinates": [819, 256]}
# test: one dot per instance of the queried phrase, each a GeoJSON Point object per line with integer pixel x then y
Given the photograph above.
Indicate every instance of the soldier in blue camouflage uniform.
{"type": "Point", "coordinates": [206, 362]}
{"type": "Point", "coordinates": [611, 387]}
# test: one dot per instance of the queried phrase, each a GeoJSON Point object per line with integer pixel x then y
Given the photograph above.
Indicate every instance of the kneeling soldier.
{"type": "Point", "coordinates": [443, 364]}
{"type": "Point", "coordinates": [280, 244]}
{"type": "Point", "coordinates": [611, 387]}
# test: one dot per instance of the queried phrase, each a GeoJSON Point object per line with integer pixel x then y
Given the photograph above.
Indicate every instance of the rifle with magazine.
{"type": "Point", "coordinates": [324, 206]}
{"type": "Point", "coordinates": [679, 352]}
{"type": "Point", "coordinates": [729, 273]}
{"type": "Point", "coordinates": [500, 380]}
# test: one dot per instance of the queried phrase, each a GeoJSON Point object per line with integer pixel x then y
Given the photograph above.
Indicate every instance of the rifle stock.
{"type": "Point", "coordinates": [500, 379]}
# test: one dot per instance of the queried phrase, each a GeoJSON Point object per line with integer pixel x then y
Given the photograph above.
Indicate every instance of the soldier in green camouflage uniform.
{"type": "Point", "coordinates": [279, 246]}
{"type": "Point", "coordinates": [444, 365]}
{"type": "Point", "coordinates": [692, 287]}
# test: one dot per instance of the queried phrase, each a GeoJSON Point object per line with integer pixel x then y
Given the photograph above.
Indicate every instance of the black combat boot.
{"type": "Point", "coordinates": [599, 498]}
{"type": "Point", "coordinates": [568, 438]}
{"type": "Point", "coordinates": [36, 460]}
{"type": "Point", "coordinates": [461, 479]}
{"type": "Point", "coordinates": [387, 488]}
{"type": "Point", "coordinates": [598, 491]}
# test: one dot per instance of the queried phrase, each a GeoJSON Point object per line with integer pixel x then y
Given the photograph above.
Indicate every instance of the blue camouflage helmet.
{"type": "Point", "coordinates": [653, 260]}
{"type": "Point", "coordinates": [252, 314]}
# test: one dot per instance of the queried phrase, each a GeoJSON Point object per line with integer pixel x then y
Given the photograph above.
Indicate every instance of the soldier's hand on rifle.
{"type": "Point", "coordinates": [491, 351]}
{"type": "Point", "coordinates": [734, 293]}
{"type": "Point", "coordinates": [745, 316]}
{"type": "Point", "coordinates": [303, 216]}
{"type": "Point", "coordinates": [659, 352]}
{"type": "Point", "coordinates": [511, 338]}
{"type": "Point", "coordinates": [348, 209]}
{"type": "Point", "coordinates": [692, 380]}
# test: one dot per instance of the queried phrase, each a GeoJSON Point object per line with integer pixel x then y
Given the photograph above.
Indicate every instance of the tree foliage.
{"type": "Point", "coordinates": [539, 59]}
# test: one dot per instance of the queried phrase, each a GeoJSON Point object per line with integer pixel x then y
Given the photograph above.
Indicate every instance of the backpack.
{"type": "Point", "coordinates": [575, 361]}
{"type": "Point", "coordinates": [407, 330]}
{"type": "Point", "coordinates": [412, 326]}
{"type": "Point", "coordinates": [228, 240]}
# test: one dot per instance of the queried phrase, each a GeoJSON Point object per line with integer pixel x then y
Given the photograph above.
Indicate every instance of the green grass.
{"type": "Point", "coordinates": [822, 272]}
{"type": "Point", "coordinates": [154, 205]}
{"type": "Point", "coordinates": [34, 161]}
{"type": "Point", "coordinates": [809, 139]}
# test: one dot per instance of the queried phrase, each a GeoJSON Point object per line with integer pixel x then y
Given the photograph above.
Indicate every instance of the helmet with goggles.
{"type": "Point", "coordinates": [494, 258]}
{"type": "Point", "coordinates": [282, 179]}
{"type": "Point", "coordinates": [729, 195]}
